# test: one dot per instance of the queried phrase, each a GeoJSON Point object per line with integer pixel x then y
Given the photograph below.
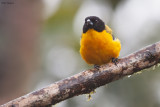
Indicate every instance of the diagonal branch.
{"type": "Point", "coordinates": [86, 81]}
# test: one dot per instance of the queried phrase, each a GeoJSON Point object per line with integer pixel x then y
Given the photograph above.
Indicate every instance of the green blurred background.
{"type": "Point", "coordinates": [39, 44]}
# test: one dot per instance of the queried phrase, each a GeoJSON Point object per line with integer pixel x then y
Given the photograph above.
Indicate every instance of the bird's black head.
{"type": "Point", "coordinates": [93, 22]}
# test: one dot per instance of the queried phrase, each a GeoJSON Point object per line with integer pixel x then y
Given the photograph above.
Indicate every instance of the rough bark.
{"type": "Point", "coordinates": [86, 81]}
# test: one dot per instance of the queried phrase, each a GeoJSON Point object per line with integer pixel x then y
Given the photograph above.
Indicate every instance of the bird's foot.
{"type": "Point", "coordinates": [150, 57]}
{"type": "Point", "coordinates": [115, 61]}
{"type": "Point", "coordinates": [96, 66]}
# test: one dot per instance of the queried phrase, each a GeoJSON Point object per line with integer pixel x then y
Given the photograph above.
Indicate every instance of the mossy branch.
{"type": "Point", "coordinates": [86, 81]}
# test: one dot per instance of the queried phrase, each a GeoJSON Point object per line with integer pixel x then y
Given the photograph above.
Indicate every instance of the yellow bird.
{"type": "Point", "coordinates": [98, 45]}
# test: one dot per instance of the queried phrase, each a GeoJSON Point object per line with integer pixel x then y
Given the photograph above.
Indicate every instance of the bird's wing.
{"type": "Point", "coordinates": [109, 30]}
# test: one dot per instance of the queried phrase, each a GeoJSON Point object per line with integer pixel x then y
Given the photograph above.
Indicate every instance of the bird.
{"type": "Point", "coordinates": [98, 46]}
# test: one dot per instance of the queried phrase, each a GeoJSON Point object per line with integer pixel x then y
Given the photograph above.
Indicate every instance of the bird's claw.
{"type": "Point", "coordinates": [96, 66]}
{"type": "Point", "coordinates": [115, 61]}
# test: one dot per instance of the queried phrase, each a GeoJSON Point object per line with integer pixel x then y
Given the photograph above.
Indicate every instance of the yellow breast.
{"type": "Point", "coordinates": [99, 47]}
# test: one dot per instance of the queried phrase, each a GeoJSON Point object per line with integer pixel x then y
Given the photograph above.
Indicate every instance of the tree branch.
{"type": "Point", "coordinates": [86, 81]}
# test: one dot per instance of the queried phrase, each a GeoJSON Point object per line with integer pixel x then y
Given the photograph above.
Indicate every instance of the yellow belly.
{"type": "Point", "coordinates": [99, 47]}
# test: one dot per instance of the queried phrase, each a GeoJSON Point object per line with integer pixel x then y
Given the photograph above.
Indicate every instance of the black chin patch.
{"type": "Point", "coordinates": [98, 24]}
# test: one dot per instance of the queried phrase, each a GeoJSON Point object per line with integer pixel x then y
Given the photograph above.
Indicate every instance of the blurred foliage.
{"type": "Point", "coordinates": [114, 3]}
{"type": "Point", "coordinates": [59, 25]}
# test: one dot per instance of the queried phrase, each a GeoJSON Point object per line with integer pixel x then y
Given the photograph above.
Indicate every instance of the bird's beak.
{"type": "Point", "coordinates": [89, 22]}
